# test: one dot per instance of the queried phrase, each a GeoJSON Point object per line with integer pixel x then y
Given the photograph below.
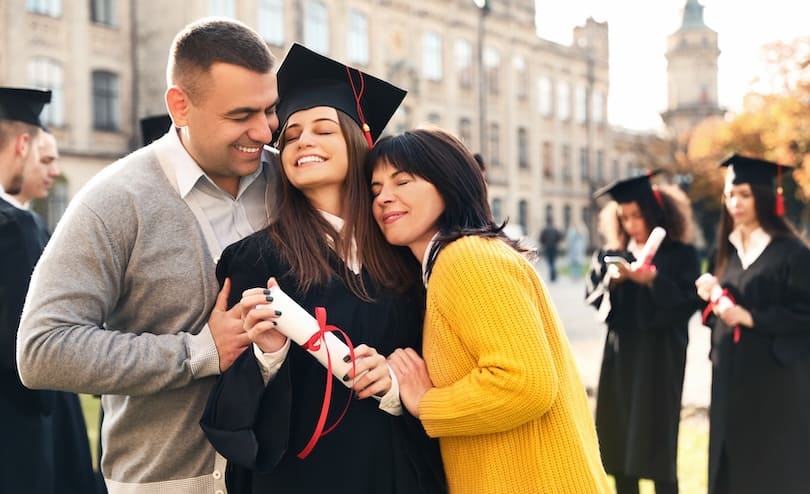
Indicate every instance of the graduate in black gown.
{"type": "Point", "coordinates": [647, 312]}
{"type": "Point", "coordinates": [759, 294]}
{"type": "Point", "coordinates": [324, 250]}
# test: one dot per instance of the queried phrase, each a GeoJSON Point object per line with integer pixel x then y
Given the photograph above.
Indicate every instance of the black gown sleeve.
{"type": "Point", "coordinates": [789, 316]}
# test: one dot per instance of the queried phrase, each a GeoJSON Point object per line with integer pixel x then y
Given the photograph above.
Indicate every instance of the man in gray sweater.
{"type": "Point", "coordinates": [120, 303]}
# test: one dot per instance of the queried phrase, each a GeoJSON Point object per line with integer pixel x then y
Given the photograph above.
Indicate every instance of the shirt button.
{"type": "Point", "coordinates": [217, 474]}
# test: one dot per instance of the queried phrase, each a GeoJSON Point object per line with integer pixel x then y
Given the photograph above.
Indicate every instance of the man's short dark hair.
{"type": "Point", "coordinates": [10, 129]}
{"type": "Point", "coordinates": [203, 43]}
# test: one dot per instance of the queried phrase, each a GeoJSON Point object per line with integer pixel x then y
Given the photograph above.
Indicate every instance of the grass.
{"type": "Point", "coordinates": [693, 447]}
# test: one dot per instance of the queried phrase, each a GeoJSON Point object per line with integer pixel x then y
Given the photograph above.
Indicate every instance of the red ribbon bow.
{"type": "Point", "coordinates": [710, 307]}
{"type": "Point", "coordinates": [314, 344]}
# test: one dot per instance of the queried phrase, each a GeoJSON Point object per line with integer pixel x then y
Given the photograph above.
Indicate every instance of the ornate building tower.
{"type": "Point", "coordinates": [692, 53]}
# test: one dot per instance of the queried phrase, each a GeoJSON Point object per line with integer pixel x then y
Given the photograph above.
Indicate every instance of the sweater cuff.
{"type": "Point", "coordinates": [203, 355]}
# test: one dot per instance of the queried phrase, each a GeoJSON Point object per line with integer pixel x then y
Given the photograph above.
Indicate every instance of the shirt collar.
{"type": "Point", "coordinates": [758, 240]}
{"type": "Point", "coordinates": [11, 199]}
{"type": "Point", "coordinates": [426, 258]}
{"type": "Point", "coordinates": [188, 172]}
{"type": "Point", "coordinates": [337, 222]}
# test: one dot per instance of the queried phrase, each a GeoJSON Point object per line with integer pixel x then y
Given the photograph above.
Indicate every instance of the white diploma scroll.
{"type": "Point", "coordinates": [298, 325]}
{"type": "Point", "coordinates": [720, 300]}
{"type": "Point", "coordinates": [647, 253]}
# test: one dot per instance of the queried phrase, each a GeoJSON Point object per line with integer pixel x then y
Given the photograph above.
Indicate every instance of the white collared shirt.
{"type": "Point", "coordinates": [223, 218]}
{"type": "Point", "coordinates": [11, 199]}
{"type": "Point", "coordinates": [426, 258]}
{"type": "Point", "coordinates": [758, 240]}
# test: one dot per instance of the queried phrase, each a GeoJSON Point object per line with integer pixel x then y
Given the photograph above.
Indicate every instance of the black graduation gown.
{"type": "Point", "coordinates": [45, 440]}
{"type": "Point", "coordinates": [261, 429]}
{"type": "Point", "coordinates": [641, 379]}
{"type": "Point", "coordinates": [760, 408]}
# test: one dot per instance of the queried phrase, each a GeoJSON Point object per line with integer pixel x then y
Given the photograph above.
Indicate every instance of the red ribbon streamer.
{"type": "Point", "coordinates": [314, 344]}
{"type": "Point", "coordinates": [710, 307]}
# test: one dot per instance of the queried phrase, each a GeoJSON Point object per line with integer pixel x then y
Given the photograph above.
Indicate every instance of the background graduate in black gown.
{"type": "Point", "coordinates": [45, 448]}
{"type": "Point", "coordinates": [647, 312]}
{"type": "Point", "coordinates": [324, 250]}
{"type": "Point", "coordinates": [759, 437]}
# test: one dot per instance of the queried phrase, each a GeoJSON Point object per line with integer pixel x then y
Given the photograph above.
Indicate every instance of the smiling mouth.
{"type": "Point", "coordinates": [306, 160]}
{"type": "Point", "coordinates": [247, 149]}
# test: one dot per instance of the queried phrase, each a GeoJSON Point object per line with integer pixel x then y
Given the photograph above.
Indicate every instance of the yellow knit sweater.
{"type": "Point", "coordinates": [509, 407]}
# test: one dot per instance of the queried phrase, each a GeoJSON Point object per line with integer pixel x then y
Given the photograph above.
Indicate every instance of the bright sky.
{"type": "Point", "coordinates": [638, 30]}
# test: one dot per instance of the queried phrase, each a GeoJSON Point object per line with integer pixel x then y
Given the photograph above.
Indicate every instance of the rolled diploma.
{"type": "Point", "coordinates": [650, 248]}
{"type": "Point", "coordinates": [721, 302]}
{"type": "Point", "coordinates": [298, 325]}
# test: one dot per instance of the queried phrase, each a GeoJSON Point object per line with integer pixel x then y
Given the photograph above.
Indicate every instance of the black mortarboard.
{"type": "Point", "coordinates": [153, 128]}
{"type": "Point", "coordinates": [629, 189]}
{"type": "Point", "coordinates": [23, 104]}
{"type": "Point", "coordinates": [307, 79]}
{"type": "Point", "coordinates": [747, 170]}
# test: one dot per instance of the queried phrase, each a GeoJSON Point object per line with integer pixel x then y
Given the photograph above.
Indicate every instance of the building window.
{"type": "Point", "coordinates": [580, 104]}
{"type": "Point", "coordinates": [584, 165]}
{"type": "Point", "coordinates": [357, 42]}
{"type": "Point", "coordinates": [497, 210]}
{"type": "Point", "coordinates": [523, 148]}
{"type": "Point", "coordinates": [402, 119]}
{"type": "Point", "coordinates": [271, 21]}
{"type": "Point", "coordinates": [465, 131]}
{"type": "Point", "coordinates": [103, 11]}
{"type": "Point", "coordinates": [105, 101]}
{"type": "Point", "coordinates": [598, 107]}
{"type": "Point", "coordinates": [521, 76]}
{"type": "Point", "coordinates": [52, 8]}
{"type": "Point", "coordinates": [548, 165]}
{"type": "Point", "coordinates": [492, 67]}
{"type": "Point", "coordinates": [316, 26]}
{"type": "Point", "coordinates": [549, 213]}
{"type": "Point", "coordinates": [566, 162]}
{"type": "Point", "coordinates": [600, 166]}
{"type": "Point", "coordinates": [462, 53]}
{"type": "Point", "coordinates": [567, 215]}
{"type": "Point", "coordinates": [564, 101]}
{"type": "Point", "coordinates": [432, 56]}
{"type": "Point", "coordinates": [616, 172]}
{"type": "Point", "coordinates": [48, 74]}
{"type": "Point", "coordinates": [434, 118]}
{"type": "Point", "coordinates": [544, 96]}
{"type": "Point", "coordinates": [494, 144]}
{"type": "Point", "coordinates": [523, 214]}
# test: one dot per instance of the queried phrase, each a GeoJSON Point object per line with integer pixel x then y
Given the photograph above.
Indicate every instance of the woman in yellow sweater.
{"type": "Point", "coordinates": [498, 384]}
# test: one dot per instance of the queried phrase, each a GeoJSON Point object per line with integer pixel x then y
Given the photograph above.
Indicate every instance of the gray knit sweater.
{"type": "Point", "coordinates": [117, 306]}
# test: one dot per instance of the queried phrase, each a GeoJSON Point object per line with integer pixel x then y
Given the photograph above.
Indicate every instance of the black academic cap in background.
{"type": "Point", "coordinates": [23, 104]}
{"type": "Point", "coordinates": [307, 79]}
{"type": "Point", "coordinates": [755, 171]}
{"type": "Point", "coordinates": [629, 189]}
{"type": "Point", "coordinates": [153, 128]}
{"type": "Point", "coordinates": [749, 170]}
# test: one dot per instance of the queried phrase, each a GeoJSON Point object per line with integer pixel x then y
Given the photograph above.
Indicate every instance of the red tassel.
{"type": "Point", "coordinates": [367, 133]}
{"type": "Point", "coordinates": [779, 207]}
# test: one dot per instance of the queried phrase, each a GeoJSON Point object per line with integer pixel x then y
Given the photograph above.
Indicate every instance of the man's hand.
{"type": "Point", "coordinates": [226, 328]}
{"type": "Point", "coordinates": [412, 376]}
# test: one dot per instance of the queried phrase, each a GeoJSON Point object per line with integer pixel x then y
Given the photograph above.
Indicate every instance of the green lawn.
{"type": "Point", "coordinates": [693, 447]}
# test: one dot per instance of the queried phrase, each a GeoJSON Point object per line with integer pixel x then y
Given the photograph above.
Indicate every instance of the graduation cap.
{"type": "Point", "coordinates": [754, 171]}
{"type": "Point", "coordinates": [307, 79]}
{"type": "Point", "coordinates": [631, 189]}
{"type": "Point", "coordinates": [153, 128]}
{"type": "Point", "coordinates": [23, 104]}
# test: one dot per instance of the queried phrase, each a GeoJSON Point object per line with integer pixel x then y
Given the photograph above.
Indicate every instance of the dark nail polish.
{"type": "Point", "coordinates": [347, 358]}
{"type": "Point", "coordinates": [266, 291]}
{"type": "Point", "coordinates": [278, 312]}
{"type": "Point", "coordinates": [275, 323]}
{"type": "Point", "coordinates": [268, 298]}
{"type": "Point", "coordinates": [346, 378]}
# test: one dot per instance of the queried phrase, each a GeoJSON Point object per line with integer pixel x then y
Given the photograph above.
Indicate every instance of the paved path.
{"type": "Point", "coordinates": [587, 338]}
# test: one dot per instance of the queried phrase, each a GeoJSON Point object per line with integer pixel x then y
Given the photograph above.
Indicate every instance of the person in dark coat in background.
{"type": "Point", "coordinates": [323, 250]}
{"type": "Point", "coordinates": [647, 309]}
{"type": "Point", "coordinates": [45, 439]}
{"type": "Point", "coordinates": [550, 238]}
{"type": "Point", "coordinates": [759, 311]}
